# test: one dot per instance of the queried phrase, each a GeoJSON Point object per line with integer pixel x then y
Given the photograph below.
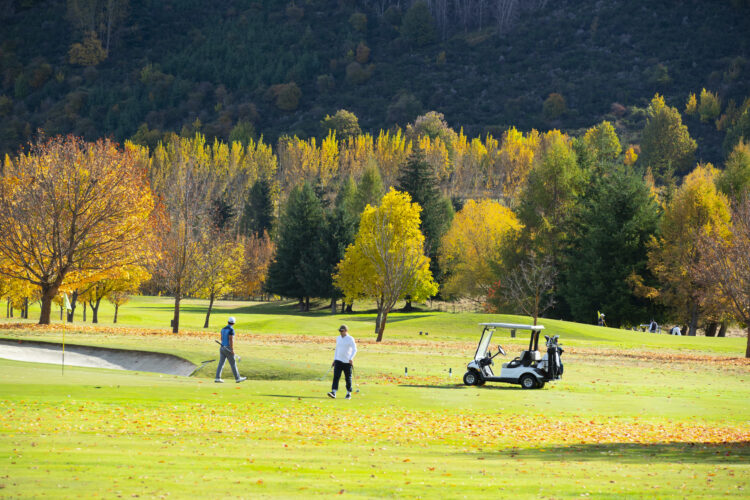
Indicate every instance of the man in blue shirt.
{"type": "Point", "coordinates": [226, 352]}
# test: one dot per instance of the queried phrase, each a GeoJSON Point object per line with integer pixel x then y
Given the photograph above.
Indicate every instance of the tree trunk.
{"type": "Point", "coordinates": [210, 306]}
{"type": "Point", "coordinates": [61, 312]}
{"type": "Point", "coordinates": [747, 349]}
{"type": "Point", "coordinates": [307, 304]}
{"type": "Point", "coordinates": [73, 300]}
{"type": "Point", "coordinates": [84, 311]}
{"type": "Point", "coordinates": [7, 308]}
{"type": "Point", "coordinates": [723, 329]}
{"type": "Point", "coordinates": [95, 310]}
{"type": "Point", "coordinates": [377, 321]}
{"type": "Point", "coordinates": [693, 327]}
{"type": "Point", "coordinates": [117, 306]}
{"type": "Point", "coordinates": [333, 306]}
{"type": "Point", "coordinates": [711, 329]}
{"type": "Point", "coordinates": [349, 307]}
{"type": "Point", "coordinates": [176, 318]}
{"type": "Point", "coordinates": [301, 304]}
{"type": "Point", "coordinates": [343, 306]}
{"type": "Point", "coordinates": [25, 314]}
{"type": "Point", "coordinates": [383, 317]}
{"type": "Point", "coordinates": [407, 306]}
{"type": "Point", "coordinates": [48, 293]}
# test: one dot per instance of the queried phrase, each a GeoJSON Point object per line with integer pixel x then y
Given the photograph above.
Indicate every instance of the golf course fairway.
{"type": "Point", "coordinates": [635, 415]}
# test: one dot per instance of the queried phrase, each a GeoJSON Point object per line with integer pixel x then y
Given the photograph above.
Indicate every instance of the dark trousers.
{"type": "Point", "coordinates": [338, 367]}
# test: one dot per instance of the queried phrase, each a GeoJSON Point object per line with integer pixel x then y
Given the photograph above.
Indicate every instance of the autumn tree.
{"type": "Point", "coordinates": [526, 289]}
{"type": "Point", "coordinates": [666, 145]}
{"type": "Point", "coordinates": [724, 267]}
{"type": "Point", "coordinates": [386, 262]}
{"type": "Point", "coordinates": [122, 280]}
{"type": "Point", "coordinates": [695, 208]}
{"type": "Point", "coordinates": [471, 245]}
{"type": "Point", "coordinates": [221, 263]}
{"type": "Point", "coordinates": [258, 254]}
{"type": "Point", "coordinates": [344, 124]}
{"type": "Point", "coordinates": [554, 185]}
{"type": "Point", "coordinates": [68, 206]}
{"type": "Point", "coordinates": [603, 143]}
{"type": "Point", "coordinates": [734, 180]}
{"type": "Point", "coordinates": [182, 176]}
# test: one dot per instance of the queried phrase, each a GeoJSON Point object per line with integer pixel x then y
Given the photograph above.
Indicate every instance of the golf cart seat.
{"type": "Point", "coordinates": [527, 358]}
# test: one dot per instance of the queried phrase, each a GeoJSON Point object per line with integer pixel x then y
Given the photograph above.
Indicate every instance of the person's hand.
{"type": "Point", "coordinates": [351, 362]}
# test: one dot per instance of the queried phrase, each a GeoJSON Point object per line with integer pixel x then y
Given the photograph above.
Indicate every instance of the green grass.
{"type": "Point", "coordinates": [613, 427]}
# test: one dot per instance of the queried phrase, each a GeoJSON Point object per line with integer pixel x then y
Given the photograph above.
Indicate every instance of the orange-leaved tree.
{"type": "Point", "coordinates": [69, 206]}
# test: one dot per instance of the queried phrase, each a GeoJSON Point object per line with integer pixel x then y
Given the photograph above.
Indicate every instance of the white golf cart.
{"type": "Point", "coordinates": [531, 369]}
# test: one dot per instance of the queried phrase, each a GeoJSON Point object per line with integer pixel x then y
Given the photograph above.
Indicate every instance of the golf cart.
{"type": "Point", "coordinates": [531, 370]}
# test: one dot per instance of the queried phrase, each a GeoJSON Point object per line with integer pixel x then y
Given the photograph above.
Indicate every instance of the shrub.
{"type": "Point", "coordinates": [87, 53]}
{"type": "Point", "coordinates": [358, 21]}
{"type": "Point", "coordinates": [357, 74]}
{"type": "Point", "coordinates": [363, 53]}
{"type": "Point", "coordinates": [286, 95]}
{"type": "Point", "coordinates": [709, 107]}
{"type": "Point", "coordinates": [554, 106]}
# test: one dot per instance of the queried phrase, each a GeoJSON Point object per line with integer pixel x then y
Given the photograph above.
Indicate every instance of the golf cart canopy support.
{"type": "Point", "coordinates": [533, 341]}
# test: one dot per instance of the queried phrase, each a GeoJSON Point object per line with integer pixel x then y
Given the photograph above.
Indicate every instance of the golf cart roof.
{"type": "Point", "coordinates": [513, 326]}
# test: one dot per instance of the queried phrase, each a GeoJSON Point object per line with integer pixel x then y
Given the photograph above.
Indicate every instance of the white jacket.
{"type": "Point", "coordinates": [346, 348]}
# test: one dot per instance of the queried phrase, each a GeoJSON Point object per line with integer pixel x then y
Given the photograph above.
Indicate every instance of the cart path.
{"type": "Point", "coordinates": [95, 357]}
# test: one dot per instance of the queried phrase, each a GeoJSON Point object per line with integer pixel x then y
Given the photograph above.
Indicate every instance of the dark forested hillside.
{"type": "Point", "coordinates": [273, 67]}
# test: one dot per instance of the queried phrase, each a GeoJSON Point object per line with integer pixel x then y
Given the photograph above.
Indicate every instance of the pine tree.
{"type": "Point", "coordinates": [258, 213]}
{"type": "Point", "coordinates": [419, 180]}
{"type": "Point", "coordinates": [609, 245]}
{"type": "Point", "coordinates": [298, 269]}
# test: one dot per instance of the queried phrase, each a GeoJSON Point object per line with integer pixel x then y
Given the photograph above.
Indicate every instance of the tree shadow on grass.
{"type": "Point", "coordinates": [734, 452]}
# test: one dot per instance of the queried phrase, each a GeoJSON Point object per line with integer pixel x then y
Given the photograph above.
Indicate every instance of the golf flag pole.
{"type": "Point", "coordinates": [67, 308]}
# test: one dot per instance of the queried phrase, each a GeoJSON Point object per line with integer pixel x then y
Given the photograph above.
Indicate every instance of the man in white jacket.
{"type": "Point", "coordinates": [343, 358]}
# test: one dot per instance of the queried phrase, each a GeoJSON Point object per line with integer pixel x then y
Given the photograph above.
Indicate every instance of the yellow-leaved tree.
{"type": "Point", "coordinates": [386, 262]}
{"type": "Point", "coordinates": [472, 244]}
{"type": "Point", "coordinates": [222, 263]}
{"type": "Point", "coordinates": [696, 209]}
{"type": "Point", "coordinates": [69, 206]}
{"type": "Point", "coordinates": [121, 281]}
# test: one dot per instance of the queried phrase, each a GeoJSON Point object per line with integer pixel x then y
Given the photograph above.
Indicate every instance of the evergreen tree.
{"type": "Point", "coordinates": [369, 191]}
{"type": "Point", "coordinates": [341, 228]}
{"type": "Point", "coordinates": [608, 247]}
{"type": "Point", "coordinates": [258, 213]}
{"type": "Point", "coordinates": [298, 269]}
{"type": "Point", "coordinates": [419, 180]}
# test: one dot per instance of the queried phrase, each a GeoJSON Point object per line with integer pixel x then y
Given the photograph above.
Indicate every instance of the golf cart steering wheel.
{"type": "Point", "coordinates": [500, 350]}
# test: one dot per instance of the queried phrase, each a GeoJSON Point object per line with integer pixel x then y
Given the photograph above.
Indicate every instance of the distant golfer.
{"type": "Point", "coordinates": [346, 348]}
{"type": "Point", "coordinates": [226, 352]}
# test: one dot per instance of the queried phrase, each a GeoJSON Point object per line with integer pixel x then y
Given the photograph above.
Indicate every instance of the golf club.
{"type": "Point", "coordinates": [227, 352]}
{"type": "Point", "coordinates": [353, 381]}
{"type": "Point", "coordinates": [326, 374]}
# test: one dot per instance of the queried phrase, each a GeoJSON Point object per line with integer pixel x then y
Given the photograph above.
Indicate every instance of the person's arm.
{"type": "Point", "coordinates": [231, 343]}
{"type": "Point", "coordinates": [354, 351]}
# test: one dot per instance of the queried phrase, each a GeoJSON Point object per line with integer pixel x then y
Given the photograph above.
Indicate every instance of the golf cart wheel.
{"type": "Point", "coordinates": [528, 382]}
{"type": "Point", "coordinates": [471, 378]}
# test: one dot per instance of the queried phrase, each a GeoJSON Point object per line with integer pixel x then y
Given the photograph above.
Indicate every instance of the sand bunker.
{"type": "Point", "coordinates": [96, 357]}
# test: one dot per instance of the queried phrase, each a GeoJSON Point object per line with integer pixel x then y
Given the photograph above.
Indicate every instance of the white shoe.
{"type": "Point", "coordinates": [241, 379]}
{"type": "Point", "coordinates": [332, 395]}
{"type": "Point", "coordinates": [348, 395]}
{"type": "Point", "coordinates": [219, 381]}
